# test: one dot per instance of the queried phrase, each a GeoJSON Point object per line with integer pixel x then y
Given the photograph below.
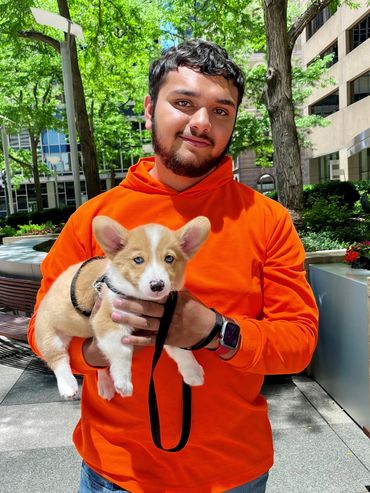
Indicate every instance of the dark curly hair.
{"type": "Point", "coordinates": [202, 56]}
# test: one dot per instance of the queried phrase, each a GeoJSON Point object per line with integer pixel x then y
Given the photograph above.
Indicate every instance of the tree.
{"type": "Point", "coordinates": [121, 36]}
{"type": "Point", "coordinates": [29, 100]}
{"type": "Point", "coordinates": [88, 150]}
{"type": "Point", "coordinates": [253, 30]}
{"type": "Point", "coordinates": [278, 96]}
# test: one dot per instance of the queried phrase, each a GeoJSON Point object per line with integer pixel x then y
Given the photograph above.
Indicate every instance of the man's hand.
{"type": "Point", "coordinates": [191, 322]}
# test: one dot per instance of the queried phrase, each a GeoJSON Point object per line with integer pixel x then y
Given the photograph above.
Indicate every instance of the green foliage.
{"type": "Point", "coordinates": [252, 132]}
{"type": "Point", "coordinates": [362, 186]}
{"type": "Point", "coordinates": [55, 216]}
{"type": "Point", "coordinates": [272, 195]}
{"type": "Point", "coordinates": [333, 211]}
{"type": "Point", "coordinates": [323, 240]}
{"type": "Point", "coordinates": [7, 231]}
{"type": "Point", "coordinates": [339, 193]}
{"type": "Point", "coordinates": [325, 214]}
{"type": "Point", "coordinates": [36, 229]}
{"type": "Point", "coordinates": [355, 230]}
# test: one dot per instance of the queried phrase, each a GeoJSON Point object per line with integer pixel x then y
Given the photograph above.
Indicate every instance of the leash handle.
{"type": "Point", "coordinates": [169, 309]}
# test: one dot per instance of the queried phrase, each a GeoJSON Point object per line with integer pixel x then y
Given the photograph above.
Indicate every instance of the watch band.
{"type": "Point", "coordinates": [206, 340]}
{"type": "Point", "coordinates": [222, 350]}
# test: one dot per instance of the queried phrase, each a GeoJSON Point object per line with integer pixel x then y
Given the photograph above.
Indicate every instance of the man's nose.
{"type": "Point", "coordinates": [200, 120]}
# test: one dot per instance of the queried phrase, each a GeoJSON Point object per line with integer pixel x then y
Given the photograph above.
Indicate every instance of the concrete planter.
{"type": "Point", "coordinates": [22, 258]}
{"type": "Point", "coordinates": [341, 363]}
{"type": "Point", "coordinates": [12, 239]}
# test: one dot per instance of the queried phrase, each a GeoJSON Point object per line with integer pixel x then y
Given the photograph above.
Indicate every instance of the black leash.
{"type": "Point", "coordinates": [169, 309]}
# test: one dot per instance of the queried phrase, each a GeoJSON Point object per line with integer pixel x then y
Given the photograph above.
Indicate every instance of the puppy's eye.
{"type": "Point", "coordinates": [138, 260]}
{"type": "Point", "coordinates": [169, 259]}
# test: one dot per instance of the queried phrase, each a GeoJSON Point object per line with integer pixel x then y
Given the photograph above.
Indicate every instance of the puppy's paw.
{"type": "Point", "coordinates": [124, 388]}
{"type": "Point", "coordinates": [194, 376]}
{"type": "Point", "coordinates": [68, 388]}
{"type": "Point", "coordinates": [106, 388]}
{"type": "Point", "coordinates": [107, 392]}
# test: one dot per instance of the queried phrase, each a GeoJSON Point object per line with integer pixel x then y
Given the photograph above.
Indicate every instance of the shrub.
{"type": "Point", "coordinates": [15, 220]}
{"type": "Point", "coordinates": [272, 195]}
{"type": "Point", "coordinates": [7, 231]}
{"type": "Point", "coordinates": [356, 230]}
{"type": "Point", "coordinates": [343, 193]}
{"type": "Point", "coordinates": [37, 229]}
{"type": "Point", "coordinates": [313, 241]}
{"type": "Point", "coordinates": [325, 215]}
{"type": "Point", "coordinates": [362, 186]}
{"type": "Point", "coordinates": [56, 216]}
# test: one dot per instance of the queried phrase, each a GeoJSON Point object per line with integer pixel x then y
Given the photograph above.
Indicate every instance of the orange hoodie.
{"type": "Point", "coordinates": [251, 269]}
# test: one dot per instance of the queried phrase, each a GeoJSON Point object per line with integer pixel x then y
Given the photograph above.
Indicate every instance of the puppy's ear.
{"type": "Point", "coordinates": [193, 235]}
{"type": "Point", "coordinates": [110, 235]}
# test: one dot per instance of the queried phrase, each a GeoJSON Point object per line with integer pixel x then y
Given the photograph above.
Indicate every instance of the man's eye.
{"type": "Point", "coordinates": [138, 260]}
{"type": "Point", "coordinates": [169, 259]}
{"type": "Point", "coordinates": [221, 111]}
{"type": "Point", "coordinates": [183, 104]}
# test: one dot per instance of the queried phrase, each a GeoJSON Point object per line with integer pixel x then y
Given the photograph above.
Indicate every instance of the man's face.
{"type": "Point", "coordinates": [192, 122]}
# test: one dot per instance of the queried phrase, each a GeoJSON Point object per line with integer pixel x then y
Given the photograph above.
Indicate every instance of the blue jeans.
{"type": "Point", "coordinates": [91, 482]}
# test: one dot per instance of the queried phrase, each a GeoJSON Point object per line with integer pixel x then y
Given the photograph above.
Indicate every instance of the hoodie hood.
{"type": "Point", "coordinates": [139, 178]}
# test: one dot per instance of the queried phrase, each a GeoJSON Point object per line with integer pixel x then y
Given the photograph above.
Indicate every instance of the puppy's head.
{"type": "Point", "coordinates": [149, 261]}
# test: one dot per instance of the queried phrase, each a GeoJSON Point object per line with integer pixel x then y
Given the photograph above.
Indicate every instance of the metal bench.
{"type": "Point", "coordinates": [17, 299]}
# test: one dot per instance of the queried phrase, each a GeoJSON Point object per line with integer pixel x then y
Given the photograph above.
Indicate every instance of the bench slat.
{"type": "Point", "coordinates": [17, 296]}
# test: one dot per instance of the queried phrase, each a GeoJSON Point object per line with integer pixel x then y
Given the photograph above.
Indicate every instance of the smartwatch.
{"type": "Point", "coordinates": [229, 332]}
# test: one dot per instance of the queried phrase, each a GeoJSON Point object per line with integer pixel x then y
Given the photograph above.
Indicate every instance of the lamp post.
{"type": "Point", "coordinates": [71, 29]}
{"type": "Point", "coordinates": [4, 137]}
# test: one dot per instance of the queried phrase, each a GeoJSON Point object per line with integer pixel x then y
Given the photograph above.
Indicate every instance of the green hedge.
{"type": "Point", "coordinates": [55, 216]}
{"type": "Point", "coordinates": [343, 193]}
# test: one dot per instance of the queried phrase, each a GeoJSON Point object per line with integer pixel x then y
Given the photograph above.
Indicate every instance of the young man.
{"type": "Point", "coordinates": [250, 270]}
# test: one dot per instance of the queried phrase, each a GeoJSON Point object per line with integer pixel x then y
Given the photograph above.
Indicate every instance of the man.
{"type": "Point", "coordinates": [250, 270]}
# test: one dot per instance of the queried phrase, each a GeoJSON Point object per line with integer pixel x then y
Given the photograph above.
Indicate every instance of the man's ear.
{"type": "Point", "coordinates": [148, 105]}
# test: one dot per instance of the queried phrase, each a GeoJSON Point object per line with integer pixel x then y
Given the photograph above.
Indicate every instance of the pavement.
{"type": "Point", "coordinates": [318, 448]}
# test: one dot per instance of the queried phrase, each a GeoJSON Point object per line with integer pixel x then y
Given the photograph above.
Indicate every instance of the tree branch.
{"type": "Point", "coordinates": [304, 19]}
{"type": "Point", "coordinates": [19, 161]}
{"type": "Point", "coordinates": [36, 36]}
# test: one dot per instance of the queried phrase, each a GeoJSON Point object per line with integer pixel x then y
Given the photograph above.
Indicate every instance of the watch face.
{"type": "Point", "coordinates": [231, 335]}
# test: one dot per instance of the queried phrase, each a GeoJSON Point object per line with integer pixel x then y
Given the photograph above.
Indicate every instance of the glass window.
{"type": "Point", "coordinates": [324, 166]}
{"type": "Point", "coordinates": [319, 20]}
{"type": "Point", "coordinates": [359, 33]}
{"type": "Point", "coordinates": [364, 161]}
{"type": "Point", "coordinates": [326, 106]}
{"type": "Point", "coordinates": [22, 203]}
{"type": "Point", "coordinates": [332, 50]}
{"type": "Point", "coordinates": [53, 137]}
{"type": "Point", "coordinates": [360, 88]}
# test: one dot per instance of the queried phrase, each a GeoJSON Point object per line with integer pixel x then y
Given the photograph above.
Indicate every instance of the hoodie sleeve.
{"type": "Point", "coordinates": [283, 339]}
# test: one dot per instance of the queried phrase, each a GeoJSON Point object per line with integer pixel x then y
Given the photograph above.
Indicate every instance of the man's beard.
{"type": "Point", "coordinates": [173, 161]}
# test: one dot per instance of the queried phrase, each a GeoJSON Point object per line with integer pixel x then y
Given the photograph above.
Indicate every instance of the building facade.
{"type": "Point", "coordinates": [340, 150]}
{"type": "Point", "coordinates": [57, 186]}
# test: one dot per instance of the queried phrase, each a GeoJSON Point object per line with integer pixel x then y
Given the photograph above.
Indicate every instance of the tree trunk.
{"type": "Point", "coordinates": [279, 103]}
{"type": "Point", "coordinates": [35, 171]}
{"type": "Point", "coordinates": [88, 149]}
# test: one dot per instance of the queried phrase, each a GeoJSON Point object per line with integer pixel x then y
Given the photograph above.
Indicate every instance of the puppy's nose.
{"type": "Point", "coordinates": [156, 286]}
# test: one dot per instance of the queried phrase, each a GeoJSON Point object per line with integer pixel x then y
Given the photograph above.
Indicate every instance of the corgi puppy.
{"type": "Point", "coordinates": [147, 262]}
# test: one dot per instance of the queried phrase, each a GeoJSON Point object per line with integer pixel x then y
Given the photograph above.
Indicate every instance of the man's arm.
{"type": "Point", "coordinates": [281, 341]}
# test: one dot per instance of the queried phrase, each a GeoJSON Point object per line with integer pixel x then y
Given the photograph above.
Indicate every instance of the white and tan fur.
{"type": "Point", "coordinates": [57, 320]}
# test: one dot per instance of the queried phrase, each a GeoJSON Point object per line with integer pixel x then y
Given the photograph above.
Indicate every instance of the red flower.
{"type": "Point", "coordinates": [351, 256]}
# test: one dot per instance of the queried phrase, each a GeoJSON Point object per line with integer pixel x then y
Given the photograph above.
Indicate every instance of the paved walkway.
{"type": "Point", "coordinates": [319, 449]}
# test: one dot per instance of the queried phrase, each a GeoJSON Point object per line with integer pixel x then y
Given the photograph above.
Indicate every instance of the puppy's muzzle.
{"type": "Point", "coordinates": [156, 286]}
